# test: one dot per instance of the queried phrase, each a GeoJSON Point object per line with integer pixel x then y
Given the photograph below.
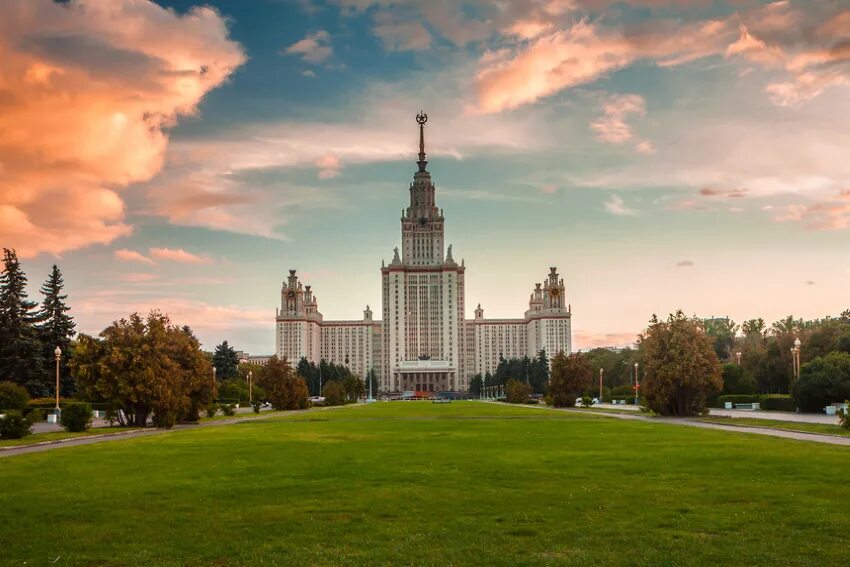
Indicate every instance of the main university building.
{"type": "Point", "coordinates": [424, 341]}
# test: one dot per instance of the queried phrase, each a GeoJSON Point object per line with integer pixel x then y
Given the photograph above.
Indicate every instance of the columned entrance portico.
{"type": "Point", "coordinates": [425, 376]}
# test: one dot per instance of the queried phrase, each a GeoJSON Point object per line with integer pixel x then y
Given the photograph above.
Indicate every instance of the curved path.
{"type": "Point", "coordinates": [92, 439]}
{"type": "Point", "coordinates": [785, 434]}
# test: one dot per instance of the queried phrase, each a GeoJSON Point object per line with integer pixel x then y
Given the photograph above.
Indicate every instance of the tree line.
{"type": "Point", "coordinates": [30, 332]}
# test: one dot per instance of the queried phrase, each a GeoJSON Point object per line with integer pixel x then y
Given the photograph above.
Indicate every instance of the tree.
{"type": "Point", "coordinates": [284, 389]}
{"type": "Point", "coordinates": [722, 332]}
{"type": "Point", "coordinates": [334, 393]}
{"type": "Point", "coordinates": [20, 349]}
{"type": "Point", "coordinates": [517, 392]}
{"type": "Point", "coordinates": [354, 387]}
{"type": "Point", "coordinates": [737, 381]}
{"type": "Point", "coordinates": [476, 385]}
{"type": "Point", "coordinates": [56, 329]}
{"type": "Point", "coordinates": [571, 375]}
{"type": "Point", "coordinates": [226, 361]}
{"type": "Point", "coordinates": [823, 381]}
{"type": "Point", "coordinates": [681, 368]}
{"type": "Point", "coordinates": [146, 367]}
{"type": "Point", "coordinates": [13, 397]}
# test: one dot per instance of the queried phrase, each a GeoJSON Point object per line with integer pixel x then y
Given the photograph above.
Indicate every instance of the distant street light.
{"type": "Point", "coordinates": [213, 382]}
{"type": "Point", "coordinates": [637, 383]}
{"type": "Point", "coordinates": [250, 387]}
{"type": "Point", "coordinates": [58, 354]}
{"type": "Point", "coordinates": [738, 357]}
{"type": "Point", "coordinates": [601, 371]}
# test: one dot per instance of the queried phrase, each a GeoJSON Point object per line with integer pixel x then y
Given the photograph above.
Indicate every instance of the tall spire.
{"type": "Point", "coordinates": [421, 119]}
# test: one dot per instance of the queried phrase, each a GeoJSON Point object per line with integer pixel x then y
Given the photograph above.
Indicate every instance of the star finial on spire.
{"type": "Point", "coordinates": [421, 119]}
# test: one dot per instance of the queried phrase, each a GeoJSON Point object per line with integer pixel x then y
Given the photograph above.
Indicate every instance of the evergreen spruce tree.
{"type": "Point", "coordinates": [20, 348]}
{"type": "Point", "coordinates": [56, 328]}
{"type": "Point", "coordinates": [226, 362]}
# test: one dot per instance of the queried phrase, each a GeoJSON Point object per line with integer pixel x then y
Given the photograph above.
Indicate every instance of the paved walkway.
{"type": "Point", "coordinates": [775, 415]}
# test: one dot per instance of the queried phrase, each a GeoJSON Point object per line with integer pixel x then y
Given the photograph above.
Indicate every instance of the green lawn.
{"type": "Point", "coordinates": [777, 424]}
{"type": "Point", "coordinates": [415, 483]}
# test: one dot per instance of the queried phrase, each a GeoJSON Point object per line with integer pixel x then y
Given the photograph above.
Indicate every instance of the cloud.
{"type": "Point", "coordinates": [685, 264]}
{"type": "Point", "coordinates": [535, 57]}
{"type": "Point", "coordinates": [178, 255]}
{"type": "Point", "coordinates": [722, 192]}
{"type": "Point", "coordinates": [314, 48]}
{"type": "Point", "coordinates": [89, 92]}
{"type": "Point", "coordinates": [309, 73]}
{"type": "Point", "coordinates": [137, 277]}
{"type": "Point", "coordinates": [401, 34]}
{"type": "Point", "coordinates": [125, 255]}
{"type": "Point", "coordinates": [549, 188]}
{"type": "Point", "coordinates": [615, 206]}
{"type": "Point", "coordinates": [589, 339]}
{"type": "Point", "coordinates": [329, 166]}
{"type": "Point", "coordinates": [829, 214]}
{"type": "Point", "coordinates": [810, 282]}
{"type": "Point", "coordinates": [612, 127]}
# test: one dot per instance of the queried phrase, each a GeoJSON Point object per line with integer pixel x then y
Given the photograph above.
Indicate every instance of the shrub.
{"type": "Point", "coordinates": [13, 397]}
{"type": "Point", "coordinates": [256, 404]}
{"type": "Point", "coordinates": [111, 415]}
{"type": "Point", "coordinates": [13, 425]}
{"type": "Point", "coordinates": [228, 409]}
{"type": "Point", "coordinates": [212, 409]}
{"type": "Point", "coordinates": [76, 416]}
{"type": "Point", "coordinates": [586, 401]}
{"type": "Point", "coordinates": [778, 402]}
{"type": "Point", "coordinates": [165, 417]}
{"type": "Point", "coordinates": [738, 399]}
{"type": "Point", "coordinates": [334, 393]}
{"type": "Point", "coordinates": [517, 392]}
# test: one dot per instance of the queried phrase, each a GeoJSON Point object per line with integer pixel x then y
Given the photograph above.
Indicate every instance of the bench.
{"type": "Point", "coordinates": [752, 406]}
{"type": "Point", "coordinates": [441, 401]}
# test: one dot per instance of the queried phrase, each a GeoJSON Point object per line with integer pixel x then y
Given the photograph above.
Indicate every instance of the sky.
{"type": "Point", "coordinates": [663, 154]}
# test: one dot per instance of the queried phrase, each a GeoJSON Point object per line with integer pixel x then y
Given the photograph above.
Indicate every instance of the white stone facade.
{"type": "Point", "coordinates": [423, 341]}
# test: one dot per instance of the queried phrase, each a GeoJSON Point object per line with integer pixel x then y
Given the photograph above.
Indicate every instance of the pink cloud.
{"type": "Point", "coordinates": [314, 48]}
{"type": "Point", "coordinates": [830, 214]}
{"type": "Point", "coordinates": [76, 129]}
{"type": "Point", "coordinates": [612, 126]}
{"type": "Point", "coordinates": [125, 255]}
{"type": "Point", "coordinates": [585, 340]}
{"type": "Point", "coordinates": [329, 166]}
{"type": "Point", "coordinates": [178, 255]}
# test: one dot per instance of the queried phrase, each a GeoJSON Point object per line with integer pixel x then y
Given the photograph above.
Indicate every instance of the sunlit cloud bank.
{"type": "Point", "coordinates": [88, 91]}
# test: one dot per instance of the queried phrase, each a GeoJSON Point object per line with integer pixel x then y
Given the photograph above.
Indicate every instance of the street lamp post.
{"type": "Point", "coordinates": [738, 357]}
{"type": "Point", "coordinates": [58, 354]}
{"type": "Point", "coordinates": [637, 383]}
{"type": "Point", "coordinates": [213, 383]}
{"type": "Point", "coordinates": [250, 387]}
{"type": "Point", "coordinates": [795, 357]}
{"type": "Point", "coordinates": [601, 371]}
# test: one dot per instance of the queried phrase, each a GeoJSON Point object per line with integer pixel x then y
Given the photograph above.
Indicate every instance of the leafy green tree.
{"type": "Point", "coordinates": [722, 333]}
{"type": "Point", "coordinates": [20, 348]}
{"type": "Point", "coordinates": [334, 393]}
{"type": "Point", "coordinates": [823, 381]}
{"type": "Point", "coordinates": [571, 375]}
{"type": "Point", "coordinates": [13, 397]}
{"type": "Point", "coordinates": [284, 388]}
{"type": "Point", "coordinates": [737, 381]}
{"type": "Point", "coordinates": [354, 387]}
{"type": "Point", "coordinates": [681, 368]}
{"type": "Point", "coordinates": [76, 416]}
{"type": "Point", "coordinates": [146, 367]}
{"type": "Point", "coordinates": [226, 362]}
{"type": "Point", "coordinates": [517, 392]}
{"type": "Point", "coordinates": [56, 328]}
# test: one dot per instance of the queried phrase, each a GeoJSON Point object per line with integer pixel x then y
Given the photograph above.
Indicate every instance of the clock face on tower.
{"type": "Point", "coordinates": [290, 294]}
{"type": "Point", "coordinates": [423, 221]}
{"type": "Point", "coordinates": [555, 292]}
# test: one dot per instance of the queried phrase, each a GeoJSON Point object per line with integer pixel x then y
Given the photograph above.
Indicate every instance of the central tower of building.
{"type": "Point", "coordinates": [423, 298]}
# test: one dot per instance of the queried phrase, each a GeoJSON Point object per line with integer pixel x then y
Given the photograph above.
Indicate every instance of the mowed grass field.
{"type": "Point", "coordinates": [465, 483]}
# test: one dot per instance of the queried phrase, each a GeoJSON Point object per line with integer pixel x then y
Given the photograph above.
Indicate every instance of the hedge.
{"type": "Point", "coordinates": [778, 402]}
{"type": "Point", "coordinates": [738, 399]}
